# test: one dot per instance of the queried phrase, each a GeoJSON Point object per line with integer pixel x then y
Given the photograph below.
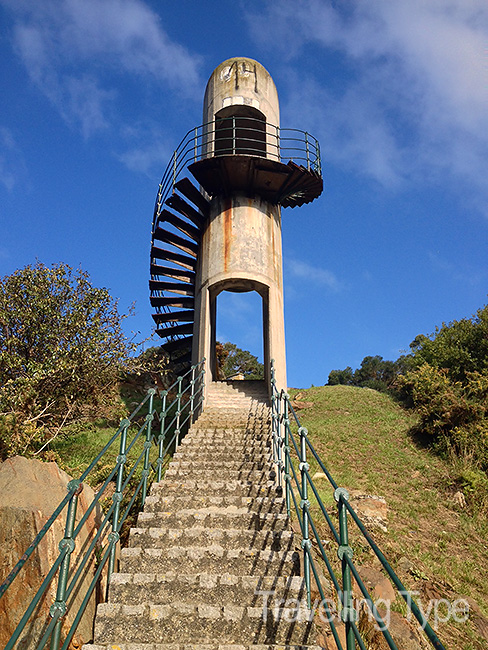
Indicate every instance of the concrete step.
{"type": "Point", "coordinates": [206, 646]}
{"type": "Point", "coordinates": [152, 537]}
{"type": "Point", "coordinates": [215, 486]}
{"type": "Point", "coordinates": [230, 424]}
{"type": "Point", "coordinates": [207, 443]}
{"type": "Point", "coordinates": [184, 622]}
{"type": "Point", "coordinates": [234, 410]}
{"type": "Point", "coordinates": [201, 473]}
{"type": "Point", "coordinates": [209, 559]}
{"type": "Point", "coordinates": [252, 408]}
{"type": "Point", "coordinates": [176, 502]}
{"type": "Point", "coordinates": [232, 464]}
{"type": "Point", "coordinates": [214, 517]}
{"type": "Point", "coordinates": [215, 414]}
{"type": "Point", "coordinates": [196, 454]}
{"type": "Point", "coordinates": [218, 589]}
{"type": "Point", "coordinates": [241, 437]}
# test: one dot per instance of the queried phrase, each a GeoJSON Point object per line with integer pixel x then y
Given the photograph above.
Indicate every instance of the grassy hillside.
{"type": "Point", "coordinates": [363, 437]}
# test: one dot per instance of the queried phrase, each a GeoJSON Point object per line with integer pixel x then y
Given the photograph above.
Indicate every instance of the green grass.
{"type": "Point", "coordinates": [364, 439]}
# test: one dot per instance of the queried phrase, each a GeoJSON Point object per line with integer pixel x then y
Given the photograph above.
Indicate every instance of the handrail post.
{"type": "Point", "coordinates": [348, 613]}
{"type": "Point", "coordinates": [58, 608]}
{"type": "Point", "coordinates": [195, 146]}
{"type": "Point", "coordinates": [202, 396]}
{"type": "Point", "coordinates": [178, 412]}
{"type": "Point", "coordinates": [279, 445]}
{"type": "Point", "coordinates": [117, 498]}
{"type": "Point", "coordinates": [307, 150]}
{"type": "Point", "coordinates": [192, 393]}
{"type": "Point", "coordinates": [147, 446]}
{"type": "Point", "coordinates": [305, 504]}
{"type": "Point", "coordinates": [274, 425]}
{"type": "Point", "coordinates": [162, 432]}
{"type": "Point", "coordinates": [286, 449]}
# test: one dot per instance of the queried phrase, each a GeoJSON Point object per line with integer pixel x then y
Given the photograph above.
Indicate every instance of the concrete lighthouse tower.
{"type": "Point", "coordinates": [247, 167]}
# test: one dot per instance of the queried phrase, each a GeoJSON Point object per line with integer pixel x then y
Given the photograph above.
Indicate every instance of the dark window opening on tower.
{"type": "Point", "coordinates": [240, 130]}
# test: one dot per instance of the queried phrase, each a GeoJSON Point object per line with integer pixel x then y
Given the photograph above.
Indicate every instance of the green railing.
{"type": "Point", "coordinates": [238, 135]}
{"type": "Point", "coordinates": [292, 449]}
{"type": "Point", "coordinates": [136, 440]}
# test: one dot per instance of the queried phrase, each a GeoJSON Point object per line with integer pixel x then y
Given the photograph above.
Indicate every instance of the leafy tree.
{"type": "Point", "coordinates": [447, 384]}
{"type": "Point", "coordinates": [341, 377]}
{"type": "Point", "coordinates": [460, 347]}
{"type": "Point", "coordinates": [374, 372]}
{"type": "Point", "coordinates": [234, 361]}
{"type": "Point", "coordinates": [61, 351]}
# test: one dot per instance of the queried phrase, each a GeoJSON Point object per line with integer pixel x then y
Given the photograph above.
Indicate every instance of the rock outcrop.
{"type": "Point", "coordinates": [30, 491]}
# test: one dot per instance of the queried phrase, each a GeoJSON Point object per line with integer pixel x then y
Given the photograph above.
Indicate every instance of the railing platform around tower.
{"type": "Point", "coordinates": [287, 171]}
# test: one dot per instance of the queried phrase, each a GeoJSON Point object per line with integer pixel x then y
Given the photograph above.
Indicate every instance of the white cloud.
{"type": "Point", "coordinates": [146, 148]}
{"type": "Point", "coordinates": [12, 163]}
{"type": "Point", "coordinates": [466, 274]}
{"type": "Point", "coordinates": [313, 275]}
{"type": "Point", "coordinates": [415, 103]}
{"type": "Point", "coordinates": [70, 47]}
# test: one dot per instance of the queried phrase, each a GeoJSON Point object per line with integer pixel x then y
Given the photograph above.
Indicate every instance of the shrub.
{"type": "Point", "coordinates": [61, 351]}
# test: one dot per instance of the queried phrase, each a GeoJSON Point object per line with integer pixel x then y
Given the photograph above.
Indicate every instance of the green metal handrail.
{"type": "Point", "coordinates": [242, 135]}
{"type": "Point", "coordinates": [291, 448]}
{"type": "Point", "coordinates": [185, 406]}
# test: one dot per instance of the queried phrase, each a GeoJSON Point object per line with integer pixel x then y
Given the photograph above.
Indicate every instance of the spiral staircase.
{"type": "Point", "coordinates": [182, 208]}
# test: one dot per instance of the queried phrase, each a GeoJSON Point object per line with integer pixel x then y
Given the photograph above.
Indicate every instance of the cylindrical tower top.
{"type": "Point", "coordinates": [243, 85]}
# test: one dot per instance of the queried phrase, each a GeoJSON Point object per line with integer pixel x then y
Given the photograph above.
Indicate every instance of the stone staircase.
{"type": "Point", "coordinates": [213, 562]}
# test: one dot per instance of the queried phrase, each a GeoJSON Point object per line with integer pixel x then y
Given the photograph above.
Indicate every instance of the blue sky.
{"type": "Point", "coordinates": [97, 93]}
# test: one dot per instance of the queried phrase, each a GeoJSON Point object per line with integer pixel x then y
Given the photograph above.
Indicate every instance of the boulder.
{"type": "Point", "coordinates": [30, 491]}
{"type": "Point", "coordinates": [372, 509]}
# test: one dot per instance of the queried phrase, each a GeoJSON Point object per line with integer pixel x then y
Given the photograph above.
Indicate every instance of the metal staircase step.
{"type": "Point", "coordinates": [158, 270]}
{"type": "Point", "coordinates": [172, 301]}
{"type": "Point", "coordinates": [167, 237]}
{"type": "Point", "coordinates": [186, 228]}
{"type": "Point", "coordinates": [169, 330]}
{"type": "Point", "coordinates": [183, 288]}
{"type": "Point", "coordinates": [180, 205]}
{"type": "Point", "coordinates": [173, 256]}
{"type": "Point", "coordinates": [187, 315]}
{"type": "Point", "coordinates": [177, 344]}
{"type": "Point", "coordinates": [193, 194]}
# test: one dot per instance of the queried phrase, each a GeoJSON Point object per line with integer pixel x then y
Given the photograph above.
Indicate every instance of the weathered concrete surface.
{"type": "Point", "coordinates": [30, 491]}
{"type": "Point", "coordinates": [241, 245]}
{"type": "Point", "coordinates": [241, 81]}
